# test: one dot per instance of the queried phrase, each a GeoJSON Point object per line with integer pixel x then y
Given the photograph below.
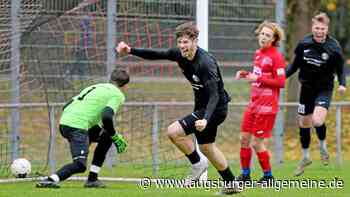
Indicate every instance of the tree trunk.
{"type": "Point", "coordinates": [340, 27]}
{"type": "Point", "coordinates": [300, 13]}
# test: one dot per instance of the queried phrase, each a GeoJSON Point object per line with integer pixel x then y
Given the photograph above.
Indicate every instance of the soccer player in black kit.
{"type": "Point", "coordinates": [211, 102]}
{"type": "Point", "coordinates": [318, 58]}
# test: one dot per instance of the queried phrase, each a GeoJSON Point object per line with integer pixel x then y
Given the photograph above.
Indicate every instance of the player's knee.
{"type": "Point", "coordinates": [206, 148]}
{"type": "Point", "coordinates": [172, 131]}
{"type": "Point", "coordinates": [80, 165]}
{"type": "Point", "coordinates": [258, 145]}
{"type": "Point", "coordinates": [245, 142]}
{"type": "Point", "coordinates": [305, 122]}
{"type": "Point", "coordinates": [317, 121]}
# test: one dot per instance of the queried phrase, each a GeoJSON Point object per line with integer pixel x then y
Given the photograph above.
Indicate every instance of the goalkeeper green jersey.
{"type": "Point", "coordinates": [84, 111]}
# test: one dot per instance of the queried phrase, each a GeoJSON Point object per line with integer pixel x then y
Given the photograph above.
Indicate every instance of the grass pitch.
{"type": "Point", "coordinates": [315, 172]}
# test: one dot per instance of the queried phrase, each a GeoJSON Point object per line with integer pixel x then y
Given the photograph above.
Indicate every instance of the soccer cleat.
{"type": "Point", "coordinates": [300, 169]}
{"type": "Point", "coordinates": [94, 184]}
{"type": "Point", "coordinates": [324, 157]}
{"type": "Point", "coordinates": [243, 178]}
{"type": "Point", "coordinates": [266, 181]}
{"type": "Point", "coordinates": [197, 171]}
{"type": "Point", "coordinates": [47, 184]}
{"type": "Point", "coordinates": [230, 189]}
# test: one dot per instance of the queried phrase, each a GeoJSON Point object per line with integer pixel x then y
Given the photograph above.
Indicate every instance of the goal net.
{"type": "Point", "coordinates": [63, 49]}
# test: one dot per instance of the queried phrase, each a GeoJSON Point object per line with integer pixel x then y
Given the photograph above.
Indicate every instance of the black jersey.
{"type": "Point", "coordinates": [202, 72]}
{"type": "Point", "coordinates": [318, 62]}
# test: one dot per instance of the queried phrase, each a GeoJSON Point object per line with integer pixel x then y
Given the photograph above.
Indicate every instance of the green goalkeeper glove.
{"type": "Point", "coordinates": [119, 142]}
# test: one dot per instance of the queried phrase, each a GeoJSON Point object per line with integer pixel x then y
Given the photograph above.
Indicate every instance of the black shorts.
{"type": "Point", "coordinates": [79, 139]}
{"type": "Point", "coordinates": [208, 135]}
{"type": "Point", "coordinates": [311, 97]}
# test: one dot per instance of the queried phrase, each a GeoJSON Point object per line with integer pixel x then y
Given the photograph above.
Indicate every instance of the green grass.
{"type": "Point", "coordinates": [74, 188]}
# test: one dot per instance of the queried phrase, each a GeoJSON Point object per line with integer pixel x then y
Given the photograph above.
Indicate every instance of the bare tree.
{"type": "Point", "coordinates": [341, 26]}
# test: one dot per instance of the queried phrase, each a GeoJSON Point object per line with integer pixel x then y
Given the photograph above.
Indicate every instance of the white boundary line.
{"type": "Point", "coordinates": [74, 178]}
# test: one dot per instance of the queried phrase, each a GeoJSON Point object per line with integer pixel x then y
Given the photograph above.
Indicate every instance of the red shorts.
{"type": "Point", "coordinates": [260, 125]}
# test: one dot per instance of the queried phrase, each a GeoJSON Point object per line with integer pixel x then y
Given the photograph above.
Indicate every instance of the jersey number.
{"type": "Point", "coordinates": [86, 93]}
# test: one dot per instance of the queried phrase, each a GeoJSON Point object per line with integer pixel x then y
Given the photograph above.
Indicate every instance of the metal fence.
{"type": "Point", "coordinates": [50, 49]}
{"type": "Point", "coordinates": [144, 126]}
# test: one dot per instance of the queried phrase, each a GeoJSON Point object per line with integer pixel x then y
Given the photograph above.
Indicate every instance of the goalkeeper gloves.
{"type": "Point", "coordinates": [119, 142]}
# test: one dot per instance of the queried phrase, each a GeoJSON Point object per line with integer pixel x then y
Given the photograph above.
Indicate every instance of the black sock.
{"type": "Point", "coordinates": [92, 176]}
{"type": "Point", "coordinates": [321, 132]}
{"type": "Point", "coordinates": [101, 149]}
{"type": "Point", "coordinates": [70, 169]}
{"type": "Point", "coordinates": [194, 157]}
{"type": "Point", "coordinates": [305, 137]}
{"type": "Point", "coordinates": [227, 175]}
{"type": "Point", "coordinates": [99, 157]}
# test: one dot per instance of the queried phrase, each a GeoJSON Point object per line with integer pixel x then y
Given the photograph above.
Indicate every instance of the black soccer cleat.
{"type": "Point", "coordinates": [243, 178]}
{"type": "Point", "coordinates": [229, 189]}
{"type": "Point", "coordinates": [47, 184]}
{"type": "Point", "coordinates": [266, 181]}
{"type": "Point", "coordinates": [21, 176]}
{"type": "Point", "coordinates": [94, 184]}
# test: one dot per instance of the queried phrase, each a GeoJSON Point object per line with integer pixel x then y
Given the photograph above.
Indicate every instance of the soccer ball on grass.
{"type": "Point", "coordinates": [20, 168]}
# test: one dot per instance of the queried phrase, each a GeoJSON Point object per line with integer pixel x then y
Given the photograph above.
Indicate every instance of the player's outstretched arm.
{"type": "Point", "coordinates": [150, 54]}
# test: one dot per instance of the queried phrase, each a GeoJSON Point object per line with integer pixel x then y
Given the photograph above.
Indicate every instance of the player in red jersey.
{"type": "Point", "coordinates": [267, 78]}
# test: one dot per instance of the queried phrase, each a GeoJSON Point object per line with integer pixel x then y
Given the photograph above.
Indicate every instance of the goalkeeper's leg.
{"type": "Point", "coordinates": [79, 146]}
{"type": "Point", "coordinates": [103, 144]}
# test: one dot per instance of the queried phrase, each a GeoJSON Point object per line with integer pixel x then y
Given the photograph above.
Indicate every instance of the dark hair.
{"type": "Point", "coordinates": [190, 29]}
{"type": "Point", "coordinates": [321, 17]}
{"type": "Point", "coordinates": [120, 77]}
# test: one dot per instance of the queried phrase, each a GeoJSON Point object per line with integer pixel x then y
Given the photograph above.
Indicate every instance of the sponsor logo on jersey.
{"type": "Point", "coordinates": [257, 71]}
{"type": "Point", "coordinates": [325, 56]}
{"type": "Point", "coordinates": [195, 78]}
{"type": "Point", "coordinates": [280, 72]}
{"type": "Point", "coordinates": [266, 61]}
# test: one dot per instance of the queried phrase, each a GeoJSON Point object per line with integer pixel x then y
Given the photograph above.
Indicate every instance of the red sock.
{"type": "Point", "coordinates": [264, 160]}
{"type": "Point", "coordinates": [245, 156]}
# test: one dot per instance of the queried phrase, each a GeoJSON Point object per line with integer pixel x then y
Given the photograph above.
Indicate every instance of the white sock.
{"type": "Point", "coordinates": [55, 177]}
{"type": "Point", "coordinates": [306, 153]}
{"type": "Point", "coordinates": [323, 145]}
{"type": "Point", "coordinates": [95, 169]}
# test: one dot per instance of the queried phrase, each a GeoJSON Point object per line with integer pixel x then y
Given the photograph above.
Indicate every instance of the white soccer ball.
{"type": "Point", "coordinates": [21, 167]}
